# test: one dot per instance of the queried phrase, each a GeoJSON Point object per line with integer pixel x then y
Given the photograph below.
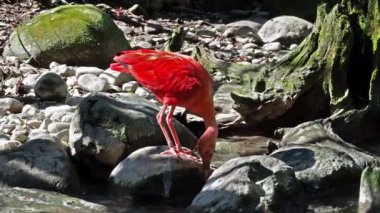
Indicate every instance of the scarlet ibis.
{"type": "Point", "coordinates": [176, 80]}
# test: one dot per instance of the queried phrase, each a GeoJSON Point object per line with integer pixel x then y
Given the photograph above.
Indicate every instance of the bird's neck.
{"type": "Point", "coordinates": [211, 127]}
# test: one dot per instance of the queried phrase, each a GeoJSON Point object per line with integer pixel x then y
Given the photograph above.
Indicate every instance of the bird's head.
{"type": "Point", "coordinates": [206, 148]}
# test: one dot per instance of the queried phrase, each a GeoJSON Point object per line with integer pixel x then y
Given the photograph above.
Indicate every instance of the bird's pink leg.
{"type": "Point", "coordinates": [178, 146]}
{"type": "Point", "coordinates": [160, 120]}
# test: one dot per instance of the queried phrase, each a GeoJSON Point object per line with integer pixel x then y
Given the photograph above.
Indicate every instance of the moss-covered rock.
{"type": "Point", "coordinates": [70, 34]}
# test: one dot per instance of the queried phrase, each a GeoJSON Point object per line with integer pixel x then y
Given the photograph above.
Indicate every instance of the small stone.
{"type": "Point", "coordinates": [88, 70]}
{"type": "Point", "coordinates": [37, 133]}
{"type": "Point", "coordinates": [130, 86]}
{"type": "Point", "coordinates": [67, 118]}
{"type": "Point", "coordinates": [71, 81]}
{"type": "Point", "coordinates": [144, 44]}
{"type": "Point", "coordinates": [53, 64]}
{"type": "Point", "coordinates": [115, 77]}
{"type": "Point", "coordinates": [140, 91]}
{"type": "Point", "coordinates": [34, 123]}
{"type": "Point", "coordinates": [92, 83]}
{"type": "Point", "coordinates": [63, 70]}
{"type": "Point", "coordinates": [57, 127]}
{"type": "Point", "coordinates": [214, 44]}
{"type": "Point", "coordinates": [30, 80]}
{"type": "Point", "coordinates": [63, 135]}
{"type": "Point", "coordinates": [7, 128]}
{"type": "Point", "coordinates": [11, 105]}
{"type": "Point", "coordinates": [50, 86]}
{"type": "Point", "coordinates": [29, 111]}
{"type": "Point", "coordinates": [293, 46]}
{"type": "Point", "coordinates": [249, 46]}
{"type": "Point", "coordinates": [49, 111]}
{"type": "Point", "coordinates": [191, 36]}
{"type": "Point", "coordinates": [206, 33]}
{"type": "Point", "coordinates": [20, 135]}
{"type": "Point", "coordinates": [274, 46]}
{"type": "Point", "coordinates": [159, 40]}
{"type": "Point", "coordinates": [258, 53]}
{"type": "Point", "coordinates": [256, 61]}
{"type": "Point", "coordinates": [153, 28]}
{"type": "Point", "coordinates": [12, 60]}
{"type": "Point", "coordinates": [45, 123]}
{"type": "Point", "coordinates": [9, 145]}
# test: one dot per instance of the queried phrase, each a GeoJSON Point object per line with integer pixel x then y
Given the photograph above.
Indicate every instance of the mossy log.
{"type": "Point", "coordinates": [333, 74]}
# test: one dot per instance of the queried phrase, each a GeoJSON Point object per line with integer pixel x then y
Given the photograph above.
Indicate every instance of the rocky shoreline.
{"type": "Point", "coordinates": [71, 130]}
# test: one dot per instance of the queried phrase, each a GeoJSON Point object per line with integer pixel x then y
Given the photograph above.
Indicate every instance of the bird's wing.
{"type": "Point", "coordinates": [164, 73]}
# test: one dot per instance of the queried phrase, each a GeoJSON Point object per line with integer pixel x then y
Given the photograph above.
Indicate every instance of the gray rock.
{"type": "Point", "coordinates": [50, 86]}
{"type": "Point", "coordinates": [30, 80]}
{"type": "Point", "coordinates": [293, 46]}
{"type": "Point", "coordinates": [153, 28]}
{"type": "Point", "coordinates": [130, 86]}
{"type": "Point", "coordinates": [30, 111]}
{"type": "Point", "coordinates": [285, 29]}
{"type": "Point", "coordinates": [369, 195]}
{"type": "Point", "coordinates": [104, 131]}
{"type": "Point", "coordinates": [63, 70]}
{"type": "Point", "coordinates": [20, 134]}
{"type": "Point", "coordinates": [144, 44]}
{"type": "Point", "coordinates": [92, 83]}
{"type": "Point", "coordinates": [247, 23]}
{"type": "Point", "coordinates": [155, 176]}
{"type": "Point", "coordinates": [141, 91]}
{"type": "Point", "coordinates": [322, 161]}
{"type": "Point", "coordinates": [273, 46]}
{"type": "Point", "coordinates": [116, 78]}
{"type": "Point", "coordinates": [9, 145]}
{"type": "Point", "coordinates": [248, 33]}
{"type": "Point", "coordinates": [50, 111]}
{"type": "Point", "coordinates": [88, 70]}
{"type": "Point", "coordinates": [40, 163]}
{"type": "Point", "coordinates": [56, 127]}
{"type": "Point", "coordinates": [83, 39]}
{"type": "Point", "coordinates": [16, 199]}
{"type": "Point", "coordinates": [71, 81]}
{"type": "Point", "coordinates": [251, 184]}
{"type": "Point", "coordinates": [11, 105]}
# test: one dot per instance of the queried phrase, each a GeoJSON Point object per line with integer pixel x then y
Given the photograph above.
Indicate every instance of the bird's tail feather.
{"type": "Point", "coordinates": [119, 67]}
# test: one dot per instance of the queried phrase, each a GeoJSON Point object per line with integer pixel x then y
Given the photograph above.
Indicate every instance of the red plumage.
{"type": "Point", "coordinates": [176, 80]}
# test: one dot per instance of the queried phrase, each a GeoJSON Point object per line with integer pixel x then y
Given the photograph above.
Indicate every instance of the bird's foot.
{"type": "Point", "coordinates": [182, 153]}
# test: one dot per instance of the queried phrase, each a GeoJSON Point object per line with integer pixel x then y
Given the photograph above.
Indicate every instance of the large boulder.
{"type": "Point", "coordinates": [150, 177]}
{"type": "Point", "coordinates": [322, 161]}
{"type": "Point", "coordinates": [105, 130]}
{"type": "Point", "coordinates": [40, 163]}
{"type": "Point", "coordinates": [70, 34]}
{"type": "Point", "coordinates": [251, 184]}
{"type": "Point", "coordinates": [285, 29]}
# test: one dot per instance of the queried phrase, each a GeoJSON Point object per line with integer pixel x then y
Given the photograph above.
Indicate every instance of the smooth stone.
{"type": "Point", "coordinates": [115, 77]}
{"type": "Point", "coordinates": [63, 70]}
{"type": "Point", "coordinates": [130, 86]}
{"type": "Point", "coordinates": [9, 145]}
{"type": "Point", "coordinates": [49, 111]}
{"type": "Point", "coordinates": [71, 81]}
{"type": "Point", "coordinates": [88, 70]}
{"type": "Point", "coordinates": [153, 28]}
{"type": "Point", "coordinates": [50, 86]}
{"type": "Point", "coordinates": [92, 83]}
{"type": "Point", "coordinates": [274, 46]}
{"type": "Point", "coordinates": [56, 127]}
{"type": "Point", "coordinates": [11, 105]}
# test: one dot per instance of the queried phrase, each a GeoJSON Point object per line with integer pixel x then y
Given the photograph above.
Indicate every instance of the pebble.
{"type": "Point", "coordinates": [71, 81]}
{"type": "Point", "coordinates": [293, 46]}
{"type": "Point", "coordinates": [130, 86]}
{"type": "Point", "coordinates": [9, 145]}
{"type": "Point", "coordinates": [11, 105]}
{"type": "Point", "coordinates": [88, 70]}
{"type": "Point", "coordinates": [45, 123]}
{"type": "Point", "coordinates": [50, 86]}
{"type": "Point", "coordinates": [140, 91]}
{"type": "Point", "coordinates": [153, 28]}
{"type": "Point", "coordinates": [49, 111]}
{"type": "Point", "coordinates": [56, 127]}
{"type": "Point", "coordinates": [92, 83]}
{"type": "Point", "coordinates": [19, 135]}
{"type": "Point", "coordinates": [63, 70]}
{"type": "Point", "coordinates": [115, 77]}
{"type": "Point", "coordinates": [29, 111]}
{"type": "Point", "coordinates": [30, 80]}
{"type": "Point", "coordinates": [273, 46]}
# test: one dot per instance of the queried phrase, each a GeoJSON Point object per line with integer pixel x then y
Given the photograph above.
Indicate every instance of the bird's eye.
{"type": "Point", "coordinates": [119, 54]}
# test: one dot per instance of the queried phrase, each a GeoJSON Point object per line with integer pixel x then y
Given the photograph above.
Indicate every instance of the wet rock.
{"type": "Point", "coordinates": [46, 39]}
{"type": "Point", "coordinates": [50, 86]}
{"type": "Point", "coordinates": [251, 184]}
{"type": "Point", "coordinates": [92, 83]}
{"type": "Point", "coordinates": [10, 105]}
{"type": "Point", "coordinates": [321, 160]}
{"type": "Point", "coordinates": [285, 29]}
{"type": "Point", "coordinates": [16, 199]}
{"type": "Point", "coordinates": [104, 131]}
{"type": "Point", "coordinates": [156, 177]}
{"type": "Point", "coordinates": [369, 196]}
{"type": "Point", "coordinates": [39, 163]}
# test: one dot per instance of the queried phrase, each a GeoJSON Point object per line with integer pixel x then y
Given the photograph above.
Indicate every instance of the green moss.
{"type": "Point", "coordinates": [72, 34]}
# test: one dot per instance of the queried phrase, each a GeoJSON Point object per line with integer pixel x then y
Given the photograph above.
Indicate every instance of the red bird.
{"type": "Point", "coordinates": [176, 80]}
